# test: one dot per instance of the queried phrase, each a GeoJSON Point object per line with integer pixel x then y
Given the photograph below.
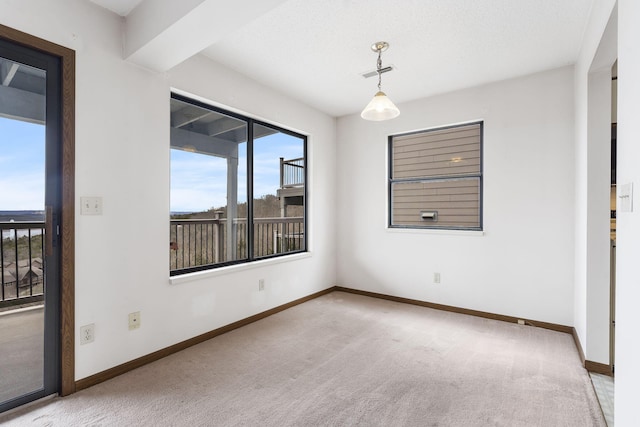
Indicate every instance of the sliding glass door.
{"type": "Point", "coordinates": [30, 206]}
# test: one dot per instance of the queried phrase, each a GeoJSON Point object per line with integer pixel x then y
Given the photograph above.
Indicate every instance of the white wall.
{"type": "Point", "coordinates": [122, 155]}
{"type": "Point", "coordinates": [523, 264]}
{"type": "Point", "coordinates": [592, 148]}
{"type": "Point", "coordinates": [628, 223]}
{"type": "Point", "coordinates": [598, 215]}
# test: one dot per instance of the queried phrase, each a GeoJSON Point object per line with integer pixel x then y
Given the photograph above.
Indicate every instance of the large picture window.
{"type": "Point", "coordinates": [237, 188]}
{"type": "Point", "coordinates": [435, 178]}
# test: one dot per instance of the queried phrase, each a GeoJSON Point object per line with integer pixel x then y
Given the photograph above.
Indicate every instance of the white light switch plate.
{"type": "Point", "coordinates": [91, 205]}
{"type": "Point", "coordinates": [625, 197]}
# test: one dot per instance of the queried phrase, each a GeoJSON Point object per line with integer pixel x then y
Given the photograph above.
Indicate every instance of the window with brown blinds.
{"type": "Point", "coordinates": [435, 178]}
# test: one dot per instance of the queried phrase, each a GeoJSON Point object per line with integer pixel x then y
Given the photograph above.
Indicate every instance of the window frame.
{"type": "Point", "coordinates": [439, 178]}
{"type": "Point", "coordinates": [250, 123]}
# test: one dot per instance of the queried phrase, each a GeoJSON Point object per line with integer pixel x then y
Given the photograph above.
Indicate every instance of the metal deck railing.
{"type": "Point", "coordinates": [21, 262]}
{"type": "Point", "coordinates": [198, 242]}
{"type": "Point", "coordinates": [291, 172]}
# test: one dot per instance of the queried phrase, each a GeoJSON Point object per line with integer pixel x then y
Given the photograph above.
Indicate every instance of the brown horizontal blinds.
{"type": "Point", "coordinates": [440, 153]}
{"type": "Point", "coordinates": [457, 203]}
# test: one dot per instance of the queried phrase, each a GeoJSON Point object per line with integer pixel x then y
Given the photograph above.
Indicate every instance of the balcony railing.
{"type": "Point", "coordinates": [21, 263]}
{"type": "Point", "coordinates": [291, 172]}
{"type": "Point", "coordinates": [197, 242]}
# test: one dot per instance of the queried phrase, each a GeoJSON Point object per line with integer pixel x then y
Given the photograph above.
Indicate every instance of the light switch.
{"type": "Point", "coordinates": [91, 205]}
{"type": "Point", "coordinates": [625, 197]}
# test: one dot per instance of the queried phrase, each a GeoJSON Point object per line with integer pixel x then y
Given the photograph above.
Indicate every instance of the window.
{"type": "Point", "coordinates": [237, 188]}
{"type": "Point", "coordinates": [435, 178]}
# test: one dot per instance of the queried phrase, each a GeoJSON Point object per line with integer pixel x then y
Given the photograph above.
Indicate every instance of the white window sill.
{"type": "Point", "coordinates": [471, 233]}
{"type": "Point", "coordinates": [221, 271]}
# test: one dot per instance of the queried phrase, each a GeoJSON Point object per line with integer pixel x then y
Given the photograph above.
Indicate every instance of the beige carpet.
{"type": "Point", "coordinates": [348, 360]}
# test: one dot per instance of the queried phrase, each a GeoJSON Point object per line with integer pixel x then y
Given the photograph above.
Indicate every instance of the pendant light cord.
{"type": "Point", "coordinates": [379, 70]}
{"type": "Point", "coordinates": [380, 107]}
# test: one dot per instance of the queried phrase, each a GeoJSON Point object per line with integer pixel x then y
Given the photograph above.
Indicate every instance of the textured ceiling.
{"type": "Point", "coordinates": [315, 50]}
{"type": "Point", "coordinates": [121, 7]}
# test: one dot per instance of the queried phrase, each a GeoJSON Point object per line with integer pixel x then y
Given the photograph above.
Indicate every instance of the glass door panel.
{"type": "Point", "coordinates": [28, 200]}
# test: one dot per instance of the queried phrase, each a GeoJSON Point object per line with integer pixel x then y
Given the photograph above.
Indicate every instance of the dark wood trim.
{"type": "Point", "coordinates": [510, 319]}
{"type": "Point", "coordinates": [67, 270]}
{"type": "Point", "coordinates": [67, 275]}
{"type": "Point", "coordinates": [157, 355]}
{"type": "Point", "coordinates": [595, 367]}
{"type": "Point", "coordinates": [590, 366]}
{"type": "Point", "coordinates": [576, 340]}
{"type": "Point", "coordinates": [598, 368]}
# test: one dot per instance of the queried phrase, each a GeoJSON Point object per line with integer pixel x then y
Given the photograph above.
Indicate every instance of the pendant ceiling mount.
{"type": "Point", "coordinates": [381, 107]}
{"type": "Point", "coordinates": [379, 46]}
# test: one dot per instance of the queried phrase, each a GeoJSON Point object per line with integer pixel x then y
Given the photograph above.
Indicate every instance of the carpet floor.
{"type": "Point", "coordinates": [347, 360]}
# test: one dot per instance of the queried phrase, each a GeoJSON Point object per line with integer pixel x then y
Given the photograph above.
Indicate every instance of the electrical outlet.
{"type": "Point", "coordinates": [261, 285]}
{"type": "Point", "coordinates": [134, 320]}
{"type": "Point", "coordinates": [436, 277]}
{"type": "Point", "coordinates": [87, 334]}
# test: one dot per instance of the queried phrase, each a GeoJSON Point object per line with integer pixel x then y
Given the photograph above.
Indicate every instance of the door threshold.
{"type": "Point", "coordinates": [26, 406]}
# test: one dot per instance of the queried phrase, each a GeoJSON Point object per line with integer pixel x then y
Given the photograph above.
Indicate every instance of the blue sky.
{"type": "Point", "coordinates": [199, 182]}
{"type": "Point", "coordinates": [22, 158]}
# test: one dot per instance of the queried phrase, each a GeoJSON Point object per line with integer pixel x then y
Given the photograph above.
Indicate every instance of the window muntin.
{"type": "Point", "coordinates": [278, 188]}
{"type": "Point", "coordinates": [229, 202]}
{"type": "Point", "coordinates": [435, 178]}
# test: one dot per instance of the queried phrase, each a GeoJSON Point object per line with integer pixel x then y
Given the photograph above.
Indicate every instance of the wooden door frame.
{"type": "Point", "coordinates": [67, 240]}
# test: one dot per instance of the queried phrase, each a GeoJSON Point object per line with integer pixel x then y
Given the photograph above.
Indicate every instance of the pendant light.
{"type": "Point", "coordinates": [380, 108]}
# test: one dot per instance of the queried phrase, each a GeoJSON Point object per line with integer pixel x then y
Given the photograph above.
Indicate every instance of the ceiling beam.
{"type": "Point", "coordinates": [8, 72]}
{"type": "Point", "coordinates": [198, 143]}
{"type": "Point", "coordinates": [160, 34]}
{"type": "Point", "coordinates": [224, 125]}
{"type": "Point", "coordinates": [180, 119]}
{"type": "Point", "coordinates": [262, 131]}
{"type": "Point", "coordinates": [22, 105]}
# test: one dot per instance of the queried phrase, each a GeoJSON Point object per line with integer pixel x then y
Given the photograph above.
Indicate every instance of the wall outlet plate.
{"type": "Point", "coordinates": [87, 334]}
{"type": "Point", "coordinates": [134, 320]}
